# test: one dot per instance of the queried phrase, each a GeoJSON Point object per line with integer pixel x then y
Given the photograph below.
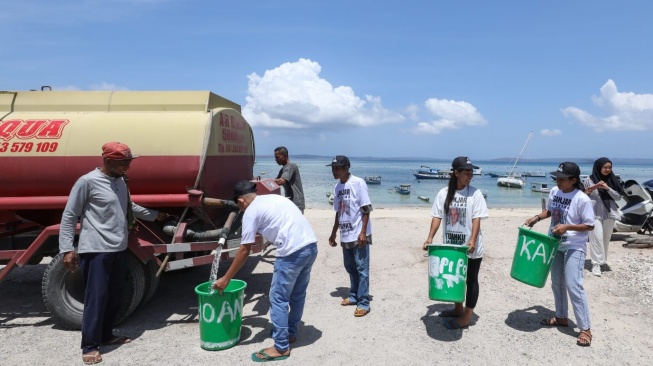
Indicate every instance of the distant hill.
{"type": "Point", "coordinates": [616, 161]}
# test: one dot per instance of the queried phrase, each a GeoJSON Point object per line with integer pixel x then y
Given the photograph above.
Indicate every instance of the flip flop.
{"type": "Point", "coordinates": [346, 302]}
{"type": "Point", "coordinates": [361, 312]}
{"type": "Point", "coordinates": [452, 324]}
{"type": "Point", "coordinates": [266, 357]}
{"type": "Point", "coordinates": [553, 322]}
{"type": "Point", "coordinates": [116, 340]}
{"type": "Point", "coordinates": [448, 314]}
{"type": "Point", "coordinates": [92, 357]}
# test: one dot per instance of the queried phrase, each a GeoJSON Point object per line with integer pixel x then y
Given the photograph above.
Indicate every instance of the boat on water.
{"type": "Point", "coordinates": [535, 174]}
{"type": "Point", "coordinates": [506, 174]}
{"type": "Point", "coordinates": [512, 180]}
{"type": "Point", "coordinates": [478, 171]}
{"type": "Point", "coordinates": [541, 187]}
{"type": "Point", "coordinates": [403, 189]}
{"type": "Point", "coordinates": [373, 179]}
{"type": "Point", "coordinates": [424, 198]}
{"type": "Point", "coordinates": [330, 197]}
{"type": "Point", "coordinates": [426, 172]}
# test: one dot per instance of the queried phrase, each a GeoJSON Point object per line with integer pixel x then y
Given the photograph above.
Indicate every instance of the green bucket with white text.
{"type": "Point", "coordinates": [220, 316]}
{"type": "Point", "coordinates": [447, 272]}
{"type": "Point", "coordinates": [533, 257]}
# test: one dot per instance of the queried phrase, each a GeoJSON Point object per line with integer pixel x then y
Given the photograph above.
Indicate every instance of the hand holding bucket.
{"type": "Point", "coordinates": [533, 257]}
{"type": "Point", "coordinates": [447, 272]}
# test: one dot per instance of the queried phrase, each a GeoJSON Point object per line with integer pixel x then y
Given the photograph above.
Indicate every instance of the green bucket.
{"type": "Point", "coordinates": [447, 272]}
{"type": "Point", "coordinates": [533, 257]}
{"type": "Point", "coordinates": [220, 315]}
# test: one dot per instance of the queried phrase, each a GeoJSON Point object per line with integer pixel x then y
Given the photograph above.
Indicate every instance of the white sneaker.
{"type": "Point", "coordinates": [596, 270]}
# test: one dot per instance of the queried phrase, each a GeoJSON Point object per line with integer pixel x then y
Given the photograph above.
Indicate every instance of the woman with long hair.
{"type": "Point", "coordinates": [572, 220]}
{"type": "Point", "coordinates": [463, 207]}
{"type": "Point", "coordinates": [604, 189]}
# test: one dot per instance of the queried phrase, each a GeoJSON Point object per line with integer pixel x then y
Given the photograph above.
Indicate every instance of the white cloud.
{"type": "Point", "coordinates": [294, 96]}
{"type": "Point", "coordinates": [450, 114]}
{"type": "Point", "coordinates": [624, 111]}
{"type": "Point", "coordinates": [547, 132]}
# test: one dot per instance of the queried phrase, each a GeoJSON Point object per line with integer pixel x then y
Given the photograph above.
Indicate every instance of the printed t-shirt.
{"type": "Point", "coordinates": [349, 198]}
{"type": "Point", "coordinates": [573, 208]}
{"type": "Point", "coordinates": [468, 203]}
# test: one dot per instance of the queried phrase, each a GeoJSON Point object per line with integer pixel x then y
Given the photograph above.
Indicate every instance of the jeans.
{"type": "Point", "coordinates": [599, 240]}
{"type": "Point", "coordinates": [288, 293]}
{"type": "Point", "coordinates": [357, 264]}
{"type": "Point", "coordinates": [567, 277]}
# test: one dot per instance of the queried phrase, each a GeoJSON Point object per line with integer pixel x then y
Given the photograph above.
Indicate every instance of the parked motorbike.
{"type": "Point", "coordinates": [637, 213]}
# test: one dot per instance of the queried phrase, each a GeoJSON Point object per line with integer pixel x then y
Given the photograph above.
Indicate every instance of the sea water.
{"type": "Point", "coordinates": [317, 180]}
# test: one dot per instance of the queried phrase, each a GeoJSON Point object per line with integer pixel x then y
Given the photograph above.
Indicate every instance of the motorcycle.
{"type": "Point", "coordinates": [637, 213]}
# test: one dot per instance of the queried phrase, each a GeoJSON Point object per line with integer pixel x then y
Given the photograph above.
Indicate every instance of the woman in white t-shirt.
{"type": "Point", "coordinates": [572, 218]}
{"type": "Point", "coordinates": [463, 208]}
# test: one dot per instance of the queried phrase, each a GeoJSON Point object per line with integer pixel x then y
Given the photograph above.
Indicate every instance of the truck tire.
{"type": "Point", "coordinates": [151, 280]}
{"type": "Point", "coordinates": [63, 292]}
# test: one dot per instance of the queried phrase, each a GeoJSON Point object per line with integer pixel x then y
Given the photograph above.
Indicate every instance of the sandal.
{"type": "Point", "coordinates": [346, 302]}
{"type": "Point", "coordinates": [92, 357]}
{"type": "Point", "coordinates": [584, 338]}
{"type": "Point", "coordinates": [555, 322]}
{"type": "Point", "coordinates": [116, 340]}
{"type": "Point", "coordinates": [361, 312]}
{"type": "Point", "coordinates": [266, 357]}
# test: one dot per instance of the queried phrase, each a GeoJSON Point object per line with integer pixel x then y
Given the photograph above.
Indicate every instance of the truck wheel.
{"type": "Point", "coordinates": [63, 292]}
{"type": "Point", "coordinates": [151, 280]}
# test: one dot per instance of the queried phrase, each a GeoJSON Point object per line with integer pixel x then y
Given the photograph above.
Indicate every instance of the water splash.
{"type": "Point", "coordinates": [214, 269]}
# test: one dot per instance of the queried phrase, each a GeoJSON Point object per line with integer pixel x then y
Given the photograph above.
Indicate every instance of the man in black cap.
{"type": "Point", "coordinates": [281, 223]}
{"type": "Point", "coordinates": [353, 206]}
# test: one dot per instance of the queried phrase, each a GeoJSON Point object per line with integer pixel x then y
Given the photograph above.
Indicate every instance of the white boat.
{"type": "Point", "coordinates": [330, 197]}
{"type": "Point", "coordinates": [512, 180]}
{"type": "Point", "coordinates": [424, 198]}
{"type": "Point", "coordinates": [478, 171]}
{"type": "Point", "coordinates": [541, 187]}
{"type": "Point", "coordinates": [403, 189]}
{"type": "Point", "coordinates": [373, 179]}
{"type": "Point", "coordinates": [537, 173]}
{"type": "Point", "coordinates": [426, 172]}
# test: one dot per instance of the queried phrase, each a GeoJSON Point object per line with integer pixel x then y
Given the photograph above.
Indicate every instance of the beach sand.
{"type": "Point", "coordinates": [402, 328]}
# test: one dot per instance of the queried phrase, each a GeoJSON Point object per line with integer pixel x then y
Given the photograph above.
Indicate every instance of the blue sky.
{"type": "Point", "coordinates": [365, 78]}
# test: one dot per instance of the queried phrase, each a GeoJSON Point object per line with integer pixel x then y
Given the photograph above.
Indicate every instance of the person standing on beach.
{"type": "Point", "coordinates": [353, 206]}
{"type": "Point", "coordinates": [573, 219]}
{"type": "Point", "coordinates": [289, 178]}
{"type": "Point", "coordinates": [100, 201]}
{"type": "Point", "coordinates": [461, 199]}
{"type": "Point", "coordinates": [603, 188]}
{"type": "Point", "coordinates": [281, 223]}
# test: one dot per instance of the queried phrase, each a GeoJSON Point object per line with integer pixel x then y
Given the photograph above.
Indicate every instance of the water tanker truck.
{"type": "Point", "coordinates": [193, 146]}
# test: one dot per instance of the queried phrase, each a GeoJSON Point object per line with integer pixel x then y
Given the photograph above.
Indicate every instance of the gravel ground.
{"type": "Point", "coordinates": [402, 329]}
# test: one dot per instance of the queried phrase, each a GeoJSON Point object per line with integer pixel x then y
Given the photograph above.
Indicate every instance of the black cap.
{"type": "Point", "coordinates": [243, 187]}
{"type": "Point", "coordinates": [566, 170]}
{"type": "Point", "coordinates": [462, 163]}
{"type": "Point", "coordinates": [340, 160]}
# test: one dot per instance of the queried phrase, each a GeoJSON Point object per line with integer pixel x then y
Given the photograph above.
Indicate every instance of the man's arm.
{"type": "Point", "coordinates": [334, 230]}
{"type": "Point", "coordinates": [68, 226]}
{"type": "Point", "coordinates": [236, 265]}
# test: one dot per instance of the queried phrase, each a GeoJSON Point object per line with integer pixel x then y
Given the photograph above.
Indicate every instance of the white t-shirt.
{"type": "Point", "coordinates": [570, 208]}
{"type": "Point", "coordinates": [467, 204]}
{"type": "Point", "coordinates": [349, 197]}
{"type": "Point", "coordinates": [279, 221]}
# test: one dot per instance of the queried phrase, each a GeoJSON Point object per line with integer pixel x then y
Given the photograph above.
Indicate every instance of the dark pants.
{"type": "Point", "coordinates": [104, 281]}
{"type": "Point", "coordinates": [473, 267]}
